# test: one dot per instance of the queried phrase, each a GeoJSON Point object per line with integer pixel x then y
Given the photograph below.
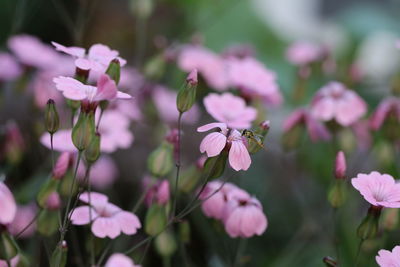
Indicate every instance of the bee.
{"type": "Point", "coordinates": [254, 137]}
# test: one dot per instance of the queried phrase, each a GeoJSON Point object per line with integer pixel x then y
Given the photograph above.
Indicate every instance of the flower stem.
{"type": "Point", "coordinates": [178, 166]}
{"type": "Point", "coordinates": [29, 224]}
{"type": "Point", "coordinates": [359, 252]}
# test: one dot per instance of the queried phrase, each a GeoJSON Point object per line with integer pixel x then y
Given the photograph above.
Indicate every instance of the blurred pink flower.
{"type": "Point", "coordinates": [129, 108]}
{"type": "Point", "coordinates": [32, 52]}
{"type": "Point", "coordinates": [335, 101]}
{"type": "Point", "coordinates": [244, 217]}
{"type": "Point", "coordinates": [340, 165]}
{"type": "Point", "coordinates": [108, 220]}
{"type": "Point", "coordinates": [9, 68]}
{"type": "Point", "coordinates": [158, 192]}
{"type": "Point", "coordinates": [63, 162]}
{"type": "Point", "coordinates": [361, 131]}
{"type": "Point", "coordinates": [214, 143]}
{"type": "Point", "coordinates": [389, 107]}
{"type": "Point", "coordinates": [62, 141]}
{"type": "Point", "coordinates": [8, 205]}
{"type": "Point", "coordinates": [75, 90]}
{"type": "Point", "coordinates": [230, 109]}
{"type": "Point", "coordinates": [23, 217]}
{"type": "Point", "coordinates": [316, 130]}
{"type": "Point", "coordinates": [131, 79]}
{"type": "Point", "coordinates": [388, 258]}
{"type": "Point", "coordinates": [102, 173]}
{"type": "Point", "coordinates": [165, 101]}
{"type": "Point", "coordinates": [209, 64]}
{"type": "Point", "coordinates": [98, 58]}
{"type": "Point", "coordinates": [303, 53]}
{"type": "Point", "coordinates": [253, 79]}
{"type": "Point", "coordinates": [379, 190]}
{"type": "Point", "coordinates": [14, 262]}
{"type": "Point", "coordinates": [53, 201]}
{"type": "Point", "coordinates": [120, 260]}
{"type": "Point", "coordinates": [114, 131]}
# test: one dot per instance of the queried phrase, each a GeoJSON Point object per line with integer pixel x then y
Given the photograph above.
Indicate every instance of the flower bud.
{"type": "Point", "coordinates": [215, 166]}
{"type": "Point", "coordinates": [14, 143]}
{"type": "Point", "coordinates": [53, 201]}
{"type": "Point", "coordinates": [51, 117]}
{"type": "Point", "coordinates": [83, 131]}
{"type": "Point", "coordinates": [92, 152]}
{"type": "Point", "coordinates": [187, 94]}
{"type": "Point", "coordinates": [189, 179]}
{"type": "Point", "coordinates": [142, 8]}
{"type": "Point", "coordinates": [47, 189]}
{"type": "Point", "coordinates": [73, 104]}
{"type": "Point", "coordinates": [370, 225]}
{"type": "Point", "coordinates": [165, 244]}
{"type": "Point", "coordinates": [337, 194]}
{"type": "Point", "coordinates": [340, 165]}
{"type": "Point", "coordinates": [257, 142]}
{"type": "Point", "coordinates": [59, 256]}
{"type": "Point", "coordinates": [114, 70]}
{"type": "Point", "coordinates": [8, 247]}
{"type": "Point", "coordinates": [82, 70]}
{"type": "Point", "coordinates": [156, 220]}
{"type": "Point", "coordinates": [329, 262]}
{"type": "Point", "coordinates": [62, 165]}
{"type": "Point", "coordinates": [160, 161]}
{"type": "Point", "coordinates": [47, 222]}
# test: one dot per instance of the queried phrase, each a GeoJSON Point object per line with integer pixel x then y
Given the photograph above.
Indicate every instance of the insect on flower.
{"type": "Point", "coordinates": [256, 138]}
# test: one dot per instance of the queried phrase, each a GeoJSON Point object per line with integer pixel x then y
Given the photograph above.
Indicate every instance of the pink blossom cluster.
{"type": "Point", "coordinates": [388, 258]}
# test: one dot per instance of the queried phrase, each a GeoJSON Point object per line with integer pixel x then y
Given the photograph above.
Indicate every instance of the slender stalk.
{"type": "Point", "coordinates": [140, 40]}
{"type": "Point", "coordinates": [142, 197]}
{"type": "Point", "coordinates": [178, 166]}
{"type": "Point", "coordinates": [104, 253]}
{"type": "Point", "coordinates": [239, 252]}
{"type": "Point", "coordinates": [29, 224]}
{"type": "Point", "coordinates": [359, 252]}
{"type": "Point", "coordinates": [166, 261]}
{"type": "Point", "coordinates": [87, 176]}
{"type": "Point", "coordinates": [98, 122]}
{"type": "Point", "coordinates": [52, 151]}
{"type": "Point", "coordinates": [141, 243]}
{"type": "Point", "coordinates": [336, 240]}
{"type": "Point", "coordinates": [146, 249]}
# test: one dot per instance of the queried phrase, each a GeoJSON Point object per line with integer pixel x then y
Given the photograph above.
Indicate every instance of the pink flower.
{"type": "Point", "coordinates": [214, 143]}
{"type": "Point", "coordinates": [315, 129]}
{"type": "Point", "coordinates": [378, 189]}
{"type": "Point", "coordinates": [209, 64]}
{"type": "Point", "coordinates": [114, 131]}
{"type": "Point", "coordinates": [216, 195]}
{"type": "Point", "coordinates": [97, 59]}
{"type": "Point", "coordinates": [108, 220]}
{"type": "Point", "coordinates": [303, 53]}
{"type": "Point", "coordinates": [8, 205]}
{"type": "Point", "coordinates": [165, 101]}
{"type": "Point", "coordinates": [75, 90]}
{"type": "Point", "coordinates": [102, 173]}
{"type": "Point", "coordinates": [64, 161]}
{"type": "Point", "coordinates": [32, 52]}
{"type": "Point", "coordinates": [9, 68]}
{"type": "Point", "coordinates": [131, 79]}
{"type": "Point", "coordinates": [390, 107]}
{"type": "Point", "coordinates": [53, 201]}
{"type": "Point", "coordinates": [128, 108]}
{"type": "Point", "coordinates": [23, 217]}
{"type": "Point", "coordinates": [62, 141]}
{"type": "Point", "coordinates": [340, 165]}
{"type": "Point", "coordinates": [14, 262]}
{"type": "Point", "coordinates": [120, 260]}
{"type": "Point", "coordinates": [230, 109]}
{"type": "Point", "coordinates": [388, 258]}
{"type": "Point", "coordinates": [335, 101]}
{"type": "Point", "coordinates": [244, 217]}
{"type": "Point", "coordinates": [253, 79]}
{"type": "Point", "coordinates": [158, 193]}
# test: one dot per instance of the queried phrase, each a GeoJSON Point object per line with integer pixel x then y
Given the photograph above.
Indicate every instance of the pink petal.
{"type": "Point", "coordinates": [122, 95]}
{"type": "Point", "coordinates": [81, 216]}
{"type": "Point", "coordinates": [71, 88]}
{"type": "Point", "coordinates": [8, 205]}
{"type": "Point", "coordinates": [128, 222]}
{"type": "Point", "coordinates": [213, 144]}
{"type": "Point", "coordinates": [106, 227]}
{"type": "Point", "coordinates": [120, 260]}
{"type": "Point", "coordinates": [72, 50]}
{"type": "Point", "coordinates": [213, 125]}
{"type": "Point", "coordinates": [106, 88]}
{"type": "Point", "coordinates": [95, 198]}
{"type": "Point", "coordinates": [239, 157]}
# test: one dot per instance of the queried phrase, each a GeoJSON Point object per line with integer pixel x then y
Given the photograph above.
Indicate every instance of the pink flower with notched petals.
{"type": "Point", "coordinates": [8, 205]}
{"type": "Point", "coordinates": [386, 258]}
{"type": "Point", "coordinates": [335, 101]}
{"type": "Point", "coordinates": [75, 90]}
{"type": "Point", "coordinates": [9, 68]}
{"type": "Point", "coordinates": [120, 260]}
{"type": "Point", "coordinates": [98, 58]}
{"type": "Point", "coordinates": [253, 79]}
{"type": "Point", "coordinates": [23, 217]}
{"type": "Point", "coordinates": [230, 109]}
{"type": "Point", "coordinates": [214, 143]}
{"type": "Point", "coordinates": [158, 192]}
{"type": "Point", "coordinates": [303, 53]}
{"type": "Point", "coordinates": [379, 190]}
{"type": "Point", "coordinates": [316, 130]}
{"type": "Point", "coordinates": [244, 217]}
{"type": "Point", "coordinates": [387, 108]}
{"type": "Point", "coordinates": [108, 220]}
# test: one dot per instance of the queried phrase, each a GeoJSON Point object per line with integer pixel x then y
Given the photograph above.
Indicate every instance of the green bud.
{"type": "Point", "coordinates": [49, 187]}
{"type": "Point", "coordinates": [166, 244]}
{"type": "Point", "coordinates": [47, 222]}
{"type": "Point", "coordinates": [142, 8]}
{"type": "Point", "coordinates": [8, 247]}
{"type": "Point", "coordinates": [73, 104]}
{"type": "Point", "coordinates": [156, 220]}
{"type": "Point", "coordinates": [154, 67]}
{"type": "Point", "coordinates": [184, 232]}
{"type": "Point", "coordinates": [114, 70]}
{"type": "Point", "coordinates": [92, 152]}
{"type": "Point", "coordinates": [187, 95]}
{"type": "Point", "coordinates": [214, 167]}
{"type": "Point", "coordinates": [370, 225]}
{"type": "Point", "coordinates": [337, 193]}
{"type": "Point", "coordinates": [83, 131]}
{"type": "Point", "coordinates": [51, 118]}
{"type": "Point", "coordinates": [189, 178]}
{"type": "Point", "coordinates": [59, 256]}
{"type": "Point", "coordinates": [161, 160]}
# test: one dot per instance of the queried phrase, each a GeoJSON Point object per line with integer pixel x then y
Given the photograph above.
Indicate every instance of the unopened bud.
{"type": "Point", "coordinates": [51, 117]}
{"type": "Point", "coordinates": [83, 131]}
{"type": "Point", "coordinates": [166, 244]}
{"type": "Point", "coordinates": [8, 247]}
{"type": "Point", "coordinates": [370, 225]}
{"type": "Point", "coordinates": [114, 70]}
{"type": "Point", "coordinates": [215, 166]}
{"type": "Point", "coordinates": [73, 104]}
{"type": "Point", "coordinates": [47, 222]}
{"type": "Point", "coordinates": [82, 69]}
{"type": "Point", "coordinates": [59, 256]}
{"type": "Point", "coordinates": [142, 8]}
{"type": "Point", "coordinates": [337, 194]}
{"type": "Point", "coordinates": [340, 165]}
{"type": "Point", "coordinates": [187, 94]}
{"type": "Point", "coordinates": [61, 167]}
{"type": "Point", "coordinates": [47, 189]}
{"type": "Point", "coordinates": [53, 201]}
{"type": "Point", "coordinates": [160, 161]}
{"type": "Point", "coordinates": [329, 262]}
{"type": "Point", "coordinates": [156, 220]}
{"type": "Point", "coordinates": [92, 152]}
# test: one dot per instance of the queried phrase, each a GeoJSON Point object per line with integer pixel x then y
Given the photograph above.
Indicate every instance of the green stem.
{"type": "Point", "coordinates": [178, 166]}
{"type": "Point", "coordinates": [240, 250]}
{"type": "Point", "coordinates": [359, 252]}
{"type": "Point", "coordinates": [29, 224]}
